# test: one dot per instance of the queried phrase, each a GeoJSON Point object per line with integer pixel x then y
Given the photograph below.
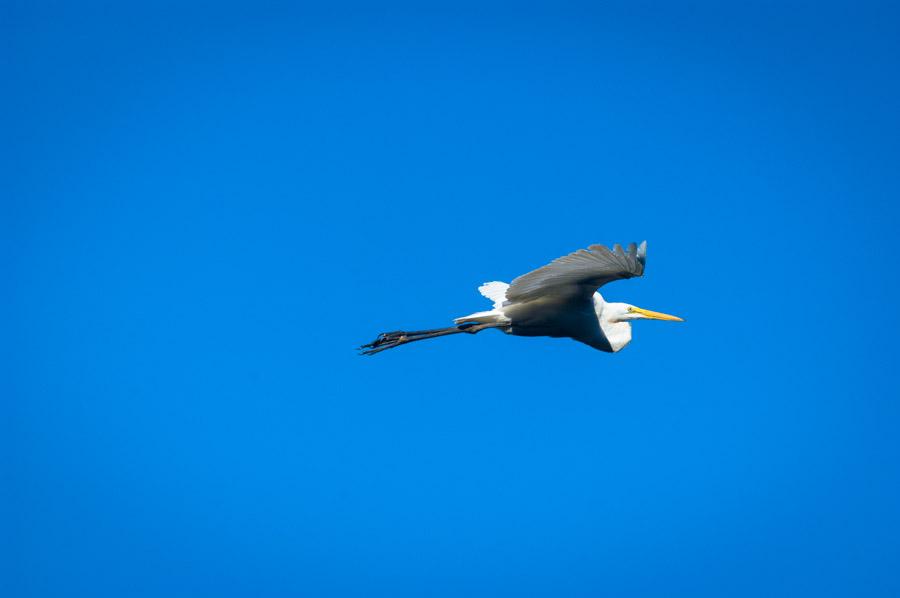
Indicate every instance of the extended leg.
{"type": "Point", "coordinates": [389, 340]}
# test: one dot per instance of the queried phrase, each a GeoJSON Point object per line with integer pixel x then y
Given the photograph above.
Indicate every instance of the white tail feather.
{"type": "Point", "coordinates": [495, 291]}
{"type": "Point", "coordinates": [483, 317]}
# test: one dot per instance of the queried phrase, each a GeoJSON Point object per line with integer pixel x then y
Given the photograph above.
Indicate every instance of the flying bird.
{"type": "Point", "coordinates": [558, 300]}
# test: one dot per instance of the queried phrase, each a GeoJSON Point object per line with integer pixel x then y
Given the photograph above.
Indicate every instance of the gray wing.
{"type": "Point", "coordinates": [580, 273]}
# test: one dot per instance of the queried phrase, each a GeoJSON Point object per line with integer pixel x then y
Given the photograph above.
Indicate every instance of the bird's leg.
{"type": "Point", "coordinates": [402, 336]}
{"type": "Point", "coordinates": [473, 328]}
{"type": "Point", "coordinates": [389, 340]}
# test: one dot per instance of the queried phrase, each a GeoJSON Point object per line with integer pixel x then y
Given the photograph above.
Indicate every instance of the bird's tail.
{"type": "Point", "coordinates": [389, 340]}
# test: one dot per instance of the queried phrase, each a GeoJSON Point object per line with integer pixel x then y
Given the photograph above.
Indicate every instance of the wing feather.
{"type": "Point", "coordinates": [580, 273]}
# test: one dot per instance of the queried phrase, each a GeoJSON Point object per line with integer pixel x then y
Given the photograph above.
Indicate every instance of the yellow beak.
{"type": "Point", "coordinates": [655, 315]}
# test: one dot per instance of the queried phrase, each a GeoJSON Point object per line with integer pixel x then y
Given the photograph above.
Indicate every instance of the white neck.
{"type": "Point", "coordinates": [617, 332]}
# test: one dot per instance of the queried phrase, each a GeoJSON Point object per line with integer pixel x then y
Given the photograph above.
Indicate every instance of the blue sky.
{"type": "Point", "coordinates": [206, 207]}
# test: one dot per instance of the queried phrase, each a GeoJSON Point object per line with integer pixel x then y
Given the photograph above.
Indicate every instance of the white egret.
{"type": "Point", "coordinates": [558, 300]}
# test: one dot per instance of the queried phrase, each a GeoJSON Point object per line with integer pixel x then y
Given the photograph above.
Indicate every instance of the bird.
{"type": "Point", "coordinates": [558, 300]}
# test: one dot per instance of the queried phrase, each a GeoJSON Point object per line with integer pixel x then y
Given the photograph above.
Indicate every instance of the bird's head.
{"type": "Point", "coordinates": [623, 312]}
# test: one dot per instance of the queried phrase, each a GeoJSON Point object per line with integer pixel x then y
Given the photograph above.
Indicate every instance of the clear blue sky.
{"type": "Point", "coordinates": [205, 209]}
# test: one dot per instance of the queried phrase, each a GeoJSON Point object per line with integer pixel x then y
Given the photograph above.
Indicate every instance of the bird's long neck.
{"type": "Point", "coordinates": [617, 332]}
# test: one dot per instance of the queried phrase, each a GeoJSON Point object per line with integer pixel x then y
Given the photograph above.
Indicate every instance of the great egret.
{"type": "Point", "coordinates": [559, 300]}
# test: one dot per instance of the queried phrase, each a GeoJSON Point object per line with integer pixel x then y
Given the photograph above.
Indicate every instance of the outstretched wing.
{"type": "Point", "coordinates": [580, 273]}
